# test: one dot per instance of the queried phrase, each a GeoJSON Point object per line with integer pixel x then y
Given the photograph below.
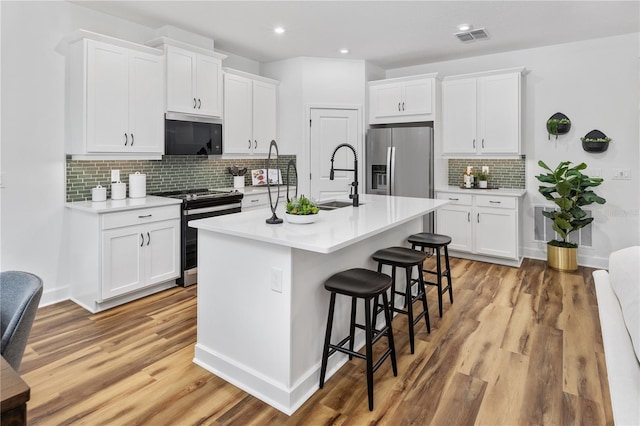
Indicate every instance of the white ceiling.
{"type": "Point", "coordinates": [389, 34]}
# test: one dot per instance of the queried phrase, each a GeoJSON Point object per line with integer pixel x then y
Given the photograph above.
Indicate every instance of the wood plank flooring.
{"type": "Point", "coordinates": [518, 346]}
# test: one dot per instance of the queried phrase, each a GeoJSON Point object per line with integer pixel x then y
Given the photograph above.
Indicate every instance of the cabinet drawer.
{"type": "Point", "coordinates": [495, 201]}
{"type": "Point", "coordinates": [260, 200]}
{"type": "Point", "coordinates": [455, 198]}
{"type": "Point", "coordinates": [139, 216]}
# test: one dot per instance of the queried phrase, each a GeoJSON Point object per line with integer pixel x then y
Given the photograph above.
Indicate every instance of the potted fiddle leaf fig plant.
{"type": "Point", "coordinates": [570, 190]}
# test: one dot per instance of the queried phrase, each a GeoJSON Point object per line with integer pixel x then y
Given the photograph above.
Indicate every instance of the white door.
{"type": "Point", "coordinates": [455, 221]}
{"type": "Point", "coordinates": [107, 98]}
{"type": "Point", "coordinates": [264, 116]}
{"type": "Point", "coordinates": [208, 86]}
{"type": "Point", "coordinates": [330, 128]}
{"type": "Point", "coordinates": [238, 128]}
{"type": "Point", "coordinates": [499, 114]}
{"type": "Point", "coordinates": [388, 99]}
{"type": "Point", "coordinates": [181, 69]}
{"type": "Point", "coordinates": [417, 97]}
{"type": "Point", "coordinates": [459, 116]}
{"type": "Point", "coordinates": [122, 265]}
{"type": "Point", "coordinates": [496, 232]}
{"type": "Point", "coordinates": [162, 246]}
{"type": "Point", "coordinates": [146, 124]}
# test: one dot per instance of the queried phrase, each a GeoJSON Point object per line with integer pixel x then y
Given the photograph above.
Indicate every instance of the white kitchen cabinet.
{"type": "Point", "coordinates": [250, 113]}
{"type": "Point", "coordinates": [402, 100]}
{"type": "Point", "coordinates": [261, 200]}
{"type": "Point", "coordinates": [123, 255]}
{"type": "Point", "coordinates": [114, 99]}
{"type": "Point", "coordinates": [486, 227]}
{"type": "Point", "coordinates": [481, 113]}
{"type": "Point", "coordinates": [194, 82]}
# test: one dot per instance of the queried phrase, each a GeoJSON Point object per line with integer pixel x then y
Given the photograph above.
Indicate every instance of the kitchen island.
{"type": "Point", "coordinates": [262, 306]}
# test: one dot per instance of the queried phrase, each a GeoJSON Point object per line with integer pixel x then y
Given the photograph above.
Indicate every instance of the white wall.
{"type": "Point", "coordinates": [313, 82]}
{"type": "Point", "coordinates": [595, 83]}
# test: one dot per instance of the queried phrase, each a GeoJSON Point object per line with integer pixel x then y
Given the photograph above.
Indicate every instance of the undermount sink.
{"type": "Point", "coordinates": [332, 205]}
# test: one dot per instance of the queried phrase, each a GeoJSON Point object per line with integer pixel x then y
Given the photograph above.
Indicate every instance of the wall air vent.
{"type": "Point", "coordinates": [470, 36]}
{"type": "Point", "coordinates": [543, 229]}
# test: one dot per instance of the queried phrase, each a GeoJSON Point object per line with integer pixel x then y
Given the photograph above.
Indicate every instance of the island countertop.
{"type": "Point", "coordinates": [333, 230]}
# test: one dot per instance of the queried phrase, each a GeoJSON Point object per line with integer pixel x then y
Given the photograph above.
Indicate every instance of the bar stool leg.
{"type": "Point", "coordinates": [446, 259]}
{"type": "Point", "coordinates": [352, 327]}
{"type": "Point", "coordinates": [439, 276]}
{"type": "Point", "coordinates": [369, 350]}
{"type": "Point", "coordinates": [392, 346]}
{"type": "Point", "coordinates": [327, 340]}
{"type": "Point", "coordinates": [409, 307]}
{"type": "Point", "coordinates": [423, 289]}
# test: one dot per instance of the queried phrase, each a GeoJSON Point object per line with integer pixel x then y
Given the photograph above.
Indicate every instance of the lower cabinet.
{"type": "Point", "coordinates": [483, 225]}
{"type": "Point", "coordinates": [261, 200]}
{"type": "Point", "coordinates": [123, 255]}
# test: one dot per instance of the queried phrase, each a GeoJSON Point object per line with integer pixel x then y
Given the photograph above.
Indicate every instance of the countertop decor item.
{"type": "Point", "coordinates": [570, 190]}
{"type": "Point", "coordinates": [595, 141]}
{"type": "Point", "coordinates": [274, 219]}
{"type": "Point", "coordinates": [558, 124]}
{"type": "Point", "coordinates": [137, 185]}
{"type": "Point", "coordinates": [301, 210]}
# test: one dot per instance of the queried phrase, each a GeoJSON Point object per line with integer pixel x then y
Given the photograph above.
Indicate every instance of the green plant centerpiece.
{"type": "Point", "coordinates": [302, 206]}
{"type": "Point", "coordinates": [570, 190]}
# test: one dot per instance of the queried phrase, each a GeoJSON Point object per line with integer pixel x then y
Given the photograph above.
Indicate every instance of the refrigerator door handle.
{"type": "Point", "coordinates": [392, 173]}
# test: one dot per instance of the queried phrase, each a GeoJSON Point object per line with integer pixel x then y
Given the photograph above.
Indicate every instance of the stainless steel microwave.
{"type": "Point", "coordinates": [192, 135]}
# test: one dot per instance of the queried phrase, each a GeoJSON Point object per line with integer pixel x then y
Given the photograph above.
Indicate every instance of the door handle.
{"type": "Point", "coordinates": [483, 142]}
{"type": "Point", "coordinates": [478, 218]}
{"type": "Point", "coordinates": [454, 199]}
{"type": "Point", "coordinates": [194, 103]}
{"type": "Point", "coordinates": [143, 216]}
{"type": "Point", "coordinates": [403, 106]}
{"type": "Point", "coordinates": [126, 139]}
{"type": "Point", "coordinates": [199, 103]}
{"type": "Point", "coordinates": [255, 145]}
{"type": "Point", "coordinates": [399, 106]}
{"type": "Point", "coordinates": [148, 238]}
{"type": "Point", "coordinates": [141, 239]}
{"type": "Point", "coordinates": [474, 144]}
{"type": "Point", "coordinates": [249, 144]}
{"type": "Point", "coordinates": [468, 216]}
{"type": "Point", "coordinates": [132, 139]}
{"type": "Point", "coordinates": [495, 202]}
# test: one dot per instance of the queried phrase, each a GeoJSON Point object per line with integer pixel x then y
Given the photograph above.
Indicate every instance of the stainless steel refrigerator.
{"type": "Point", "coordinates": [400, 162]}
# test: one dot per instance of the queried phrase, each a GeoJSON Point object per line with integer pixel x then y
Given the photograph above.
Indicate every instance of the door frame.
{"type": "Point", "coordinates": [304, 160]}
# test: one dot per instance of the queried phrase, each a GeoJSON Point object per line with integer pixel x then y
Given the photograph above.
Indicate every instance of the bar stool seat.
{"type": "Point", "coordinates": [363, 284]}
{"type": "Point", "coordinates": [436, 241]}
{"type": "Point", "coordinates": [406, 258]}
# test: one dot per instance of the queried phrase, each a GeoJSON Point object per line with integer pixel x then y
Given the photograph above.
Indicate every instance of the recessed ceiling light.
{"type": "Point", "coordinates": [344, 51]}
{"type": "Point", "coordinates": [279, 30]}
{"type": "Point", "coordinates": [464, 27]}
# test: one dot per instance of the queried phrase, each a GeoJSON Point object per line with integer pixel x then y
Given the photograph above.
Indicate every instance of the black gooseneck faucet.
{"type": "Point", "coordinates": [354, 185]}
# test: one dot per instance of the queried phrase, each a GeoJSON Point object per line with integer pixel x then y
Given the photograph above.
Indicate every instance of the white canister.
{"type": "Point", "coordinates": [137, 185]}
{"type": "Point", "coordinates": [118, 191]}
{"type": "Point", "coordinates": [238, 181]}
{"type": "Point", "coordinates": [98, 193]}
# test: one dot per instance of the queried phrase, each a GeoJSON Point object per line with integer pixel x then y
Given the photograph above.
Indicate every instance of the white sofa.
{"type": "Point", "coordinates": [618, 292]}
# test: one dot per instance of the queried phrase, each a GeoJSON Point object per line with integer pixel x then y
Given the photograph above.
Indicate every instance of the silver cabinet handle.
{"type": "Point", "coordinates": [148, 238]}
{"type": "Point", "coordinates": [454, 199]}
{"type": "Point", "coordinates": [495, 202]}
{"type": "Point", "coordinates": [403, 106]}
{"type": "Point", "coordinates": [474, 143]}
{"type": "Point", "coordinates": [146, 215]}
{"type": "Point", "coordinates": [194, 103]}
{"type": "Point", "coordinates": [468, 216]}
{"type": "Point", "coordinates": [398, 106]}
{"type": "Point", "coordinates": [132, 139]}
{"type": "Point", "coordinates": [255, 144]}
{"type": "Point", "coordinates": [141, 239]}
{"type": "Point", "coordinates": [199, 103]}
{"type": "Point", "coordinates": [254, 201]}
{"type": "Point", "coordinates": [483, 142]}
{"type": "Point", "coordinates": [249, 144]}
{"type": "Point", "coordinates": [478, 218]}
{"type": "Point", "coordinates": [126, 139]}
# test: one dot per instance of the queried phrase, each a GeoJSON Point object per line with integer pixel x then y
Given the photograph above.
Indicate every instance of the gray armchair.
{"type": "Point", "coordinates": [20, 294]}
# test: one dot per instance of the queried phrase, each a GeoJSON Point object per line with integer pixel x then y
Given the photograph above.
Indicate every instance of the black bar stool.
{"type": "Point", "coordinates": [406, 258]}
{"type": "Point", "coordinates": [436, 242]}
{"type": "Point", "coordinates": [359, 284]}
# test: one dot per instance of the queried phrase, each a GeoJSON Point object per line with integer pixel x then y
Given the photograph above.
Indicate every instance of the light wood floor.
{"type": "Point", "coordinates": [518, 346]}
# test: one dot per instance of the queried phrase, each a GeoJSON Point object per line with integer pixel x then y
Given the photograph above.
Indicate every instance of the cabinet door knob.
{"type": "Point", "coordinates": [194, 103]}
{"type": "Point", "coordinates": [126, 139]}
{"type": "Point", "coordinates": [148, 238]}
{"type": "Point", "coordinates": [141, 239]}
{"type": "Point", "coordinates": [132, 139]}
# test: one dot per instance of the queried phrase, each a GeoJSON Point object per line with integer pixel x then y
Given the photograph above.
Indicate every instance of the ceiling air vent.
{"type": "Point", "coordinates": [469, 36]}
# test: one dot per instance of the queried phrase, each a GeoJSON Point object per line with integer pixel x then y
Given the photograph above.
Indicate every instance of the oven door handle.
{"type": "Point", "coordinates": [221, 208]}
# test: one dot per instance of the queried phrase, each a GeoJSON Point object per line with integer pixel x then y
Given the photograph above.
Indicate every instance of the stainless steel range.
{"type": "Point", "coordinates": [199, 204]}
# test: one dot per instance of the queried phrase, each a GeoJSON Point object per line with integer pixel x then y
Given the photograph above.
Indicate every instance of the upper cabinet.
{"type": "Point", "coordinates": [250, 113]}
{"type": "Point", "coordinates": [114, 98]}
{"type": "Point", "coordinates": [194, 82]}
{"type": "Point", "coordinates": [402, 100]}
{"type": "Point", "coordinates": [481, 113]}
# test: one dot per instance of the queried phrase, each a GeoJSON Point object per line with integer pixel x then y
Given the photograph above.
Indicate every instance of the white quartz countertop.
{"type": "Point", "coordinates": [120, 205]}
{"type": "Point", "coordinates": [509, 192]}
{"type": "Point", "coordinates": [333, 230]}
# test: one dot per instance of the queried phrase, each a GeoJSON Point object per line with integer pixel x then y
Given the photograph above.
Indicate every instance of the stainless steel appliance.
{"type": "Point", "coordinates": [199, 204]}
{"type": "Point", "coordinates": [399, 161]}
{"type": "Point", "coordinates": [192, 135]}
